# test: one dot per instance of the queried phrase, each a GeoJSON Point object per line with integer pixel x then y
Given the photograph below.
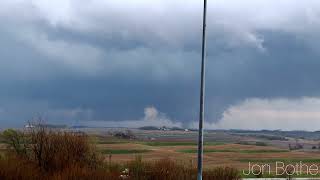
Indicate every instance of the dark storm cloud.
{"type": "Point", "coordinates": [288, 70]}
{"type": "Point", "coordinates": [88, 63]}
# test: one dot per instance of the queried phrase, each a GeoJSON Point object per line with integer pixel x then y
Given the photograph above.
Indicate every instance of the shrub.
{"type": "Point", "coordinates": [55, 151]}
{"type": "Point", "coordinates": [42, 154]}
{"type": "Point", "coordinates": [15, 141]}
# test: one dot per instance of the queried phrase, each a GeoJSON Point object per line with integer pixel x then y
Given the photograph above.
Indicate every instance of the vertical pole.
{"type": "Point", "coordinates": [202, 92]}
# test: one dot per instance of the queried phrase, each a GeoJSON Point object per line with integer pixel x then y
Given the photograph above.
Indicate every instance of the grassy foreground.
{"type": "Point", "coordinates": [41, 153]}
{"type": "Point", "coordinates": [50, 155]}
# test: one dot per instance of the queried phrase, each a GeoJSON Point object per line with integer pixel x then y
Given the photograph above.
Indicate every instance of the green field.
{"type": "Point", "coordinates": [111, 142]}
{"type": "Point", "coordinates": [285, 160]}
{"type": "Point", "coordinates": [125, 151]}
{"type": "Point", "coordinates": [232, 150]}
{"type": "Point", "coordinates": [180, 143]}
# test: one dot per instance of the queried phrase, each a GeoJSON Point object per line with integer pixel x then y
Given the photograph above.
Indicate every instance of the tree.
{"type": "Point", "coordinates": [15, 140]}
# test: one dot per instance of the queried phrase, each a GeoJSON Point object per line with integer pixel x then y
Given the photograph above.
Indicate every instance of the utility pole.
{"type": "Point", "coordinates": [202, 92]}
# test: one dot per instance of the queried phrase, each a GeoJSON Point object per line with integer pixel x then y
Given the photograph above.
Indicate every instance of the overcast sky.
{"type": "Point", "coordinates": [125, 62]}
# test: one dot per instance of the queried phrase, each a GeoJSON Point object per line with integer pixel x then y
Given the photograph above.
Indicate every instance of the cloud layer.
{"type": "Point", "coordinates": [284, 114]}
{"type": "Point", "coordinates": [108, 60]}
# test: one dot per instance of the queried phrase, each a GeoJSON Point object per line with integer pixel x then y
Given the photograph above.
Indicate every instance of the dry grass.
{"type": "Point", "coordinates": [14, 167]}
{"type": "Point", "coordinates": [44, 154]}
{"type": "Point", "coordinates": [50, 155]}
{"type": "Point", "coordinates": [171, 170]}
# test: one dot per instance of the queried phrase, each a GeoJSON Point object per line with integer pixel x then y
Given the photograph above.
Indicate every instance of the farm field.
{"type": "Point", "coordinates": [215, 155]}
{"type": "Point", "coordinates": [221, 148]}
